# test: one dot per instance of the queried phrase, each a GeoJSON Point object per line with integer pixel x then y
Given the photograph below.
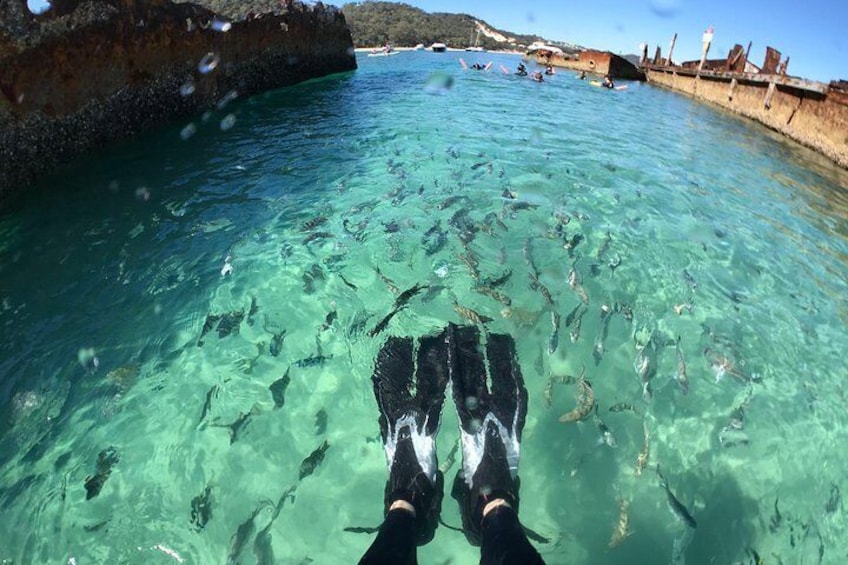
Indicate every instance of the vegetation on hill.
{"type": "Point", "coordinates": [375, 23]}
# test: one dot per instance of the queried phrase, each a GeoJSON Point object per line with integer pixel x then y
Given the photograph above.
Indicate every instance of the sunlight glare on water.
{"type": "Point", "coordinates": [189, 315]}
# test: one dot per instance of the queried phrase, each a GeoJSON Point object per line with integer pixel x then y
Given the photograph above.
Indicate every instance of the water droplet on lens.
{"type": "Point", "coordinates": [535, 136]}
{"type": "Point", "coordinates": [486, 490]}
{"type": "Point", "coordinates": [187, 88]}
{"type": "Point", "coordinates": [226, 99]}
{"type": "Point", "coordinates": [142, 193]}
{"type": "Point", "coordinates": [20, 99]}
{"type": "Point", "coordinates": [284, 26]}
{"type": "Point", "coordinates": [438, 83]}
{"type": "Point", "coordinates": [228, 122]}
{"type": "Point", "coordinates": [471, 402]}
{"type": "Point", "coordinates": [221, 25]}
{"type": "Point", "coordinates": [208, 63]}
{"type": "Point", "coordinates": [206, 116]}
{"type": "Point", "coordinates": [664, 8]}
{"type": "Point", "coordinates": [188, 131]}
{"type": "Point", "coordinates": [292, 61]}
{"type": "Point", "coordinates": [475, 424]}
{"type": "Point", "coordinates": [38, 6]}
{"type": "Point", "coordinates": [351, 52]}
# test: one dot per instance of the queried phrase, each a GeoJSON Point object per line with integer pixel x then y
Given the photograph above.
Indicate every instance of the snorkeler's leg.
{"type": "Point", "coordinates": [410, 396]}
{"type": "Point", "coordinates": [395, 542]}
{"type": "Point", "coordinates": [491, 423]}
{"type": "Point", "coordinates": [503, 538]}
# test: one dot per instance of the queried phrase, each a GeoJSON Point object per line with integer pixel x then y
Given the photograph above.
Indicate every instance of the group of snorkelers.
{"type": "Point", "coordinates": [537, 76]}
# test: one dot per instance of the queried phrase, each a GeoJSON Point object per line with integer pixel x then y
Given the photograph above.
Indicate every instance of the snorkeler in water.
{"type": "Point", "coordinates": [522, 70]}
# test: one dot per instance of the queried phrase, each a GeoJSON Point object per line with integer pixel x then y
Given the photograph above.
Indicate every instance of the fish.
{"type": "Point", "coordinates": [252, 310]}
{"type": "Point", "coordinates": [646, 367]}
{"type": "Point", "coordinates": [553, 341]}
{"type": "Point", "coordinates": [777, 519]}
{"type": "Point", "coordinates": [625, 311]}
{"type": "Point", "coordinates": [724, 365]}
{"type": "Point", "coordinates": [320, 422]}
{"type": "Point", "coordinates": [690, 280]}
{"type": "Point", "coordinates": [676, 506]}
{"type": "Point", "coordinates": [314, 236]}
{"type": "Point", "coordinates": [499, 281]}
{"type": "Point", "coordinates": [614, 263]}
{"type": "Point", "coordinates": [243, 533]}
{"type": "Point", "coordinates": [543, 290]}
{"type": "Point", "coordinates": [446, 465]}
{"type": "Point", "coordinates": [382, 324]}
{"type": "Point", "coordinates": [201, 509]}
{"type": "Point", "coordinates": [574, 314]}
{"type": "Point", "coordinates": [575, 285]}
{"type": "Point", "coordinates": [585, 401]}
{"type": "Point", "coordinates": [606, 435]}
{"type": "Point", "coordinates": [208, 324]}
{"type": "Point", "coordinates": [494, 294]}
{"type": "Point", "coordinates": [575, 329]}
{"type": "Point", "coordinates": [450, 201]}
{"type": "Point", "coordinates": [230, 323]}
{"type": "Point", "coordinates": [388, 282]}
{"type": "Point", "coordinates": [237, 426]}
{"type": "Point", "coordinates": [623, 406]}
{"type": "Point", "coordinates": [471, 315]}
{"type": "Point", "coordinates": [349, 284]}
{"type": "Point", "coordinates": [207, 404]}
{"type": "Point", "coordinates": [313, 223]}
{"type": "Point", "coordinates": [604, 246]}
{"type": "Point", "coordinates": [645, 453]}
{"type": "Point", "coordinates": [434, 239]}
{"type": "Point", "coordinates": [308, 466]}
{"type": "Point", "coordinates": [329, 319]}
{"type": "Point", "coordinates": [262, 547]}
{"type": "Point", "coordinates": [312, 361]}
{"type": "Point", "coordinates": [276, 344]}
{"type": "Point", "coordinates": [407, 294]}
{"type": "Point", "coordinates": [106, 459]}
{"type": "Point", "coordinates": [598, 348]}
{"type": "Point", "coordinates": [572, 243]}
{"type": "Point", "coordinates": [278, 389]}
{"type": "Point", "coordinates": [471, 263]}
{"type": "Point", "coordinates": [681, 377]}
{"type": "Point", "coordinates": [622, 527]}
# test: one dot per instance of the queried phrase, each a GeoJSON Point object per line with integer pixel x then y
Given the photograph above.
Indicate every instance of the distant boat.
{"type": "Point", "coordinates": [439, 47]}
{"type": "Point", "coordinates": [419, 47]}
{"type": "Point", "coordinates": [476, 47]}
{"type": "Point", "coordinates": [384, 51]}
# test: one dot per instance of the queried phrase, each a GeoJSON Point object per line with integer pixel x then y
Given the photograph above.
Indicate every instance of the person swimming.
{"type": "Point", "coordinates": [582, 75]}
{"type": "Point", "coordinates": [549, 70]}
{"type": "Point", "coordinates": [607, 82]}
{"type": "Point", "coordinates": [537, 76]}
{"type": "Point", "coordinates": [522, 70]}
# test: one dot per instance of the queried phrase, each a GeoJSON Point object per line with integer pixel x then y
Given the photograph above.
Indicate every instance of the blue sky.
{"type": "Point", "coordinates": [811, 32]}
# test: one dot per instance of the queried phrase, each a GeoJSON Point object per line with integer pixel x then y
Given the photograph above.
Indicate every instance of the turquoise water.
{"type": "Point", "coordinates": [110, 268]}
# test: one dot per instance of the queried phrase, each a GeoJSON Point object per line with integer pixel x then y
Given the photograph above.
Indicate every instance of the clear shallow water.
{"type": "Point", "coordinates": [122, 253]}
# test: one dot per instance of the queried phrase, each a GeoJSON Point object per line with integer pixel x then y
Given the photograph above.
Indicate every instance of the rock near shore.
{"type": "Point", "coordinates": [88, 72]}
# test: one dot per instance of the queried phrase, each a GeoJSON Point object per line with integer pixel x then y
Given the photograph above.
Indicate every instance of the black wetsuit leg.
{"type": "Point", "coordinates": [395, 542]}
{"type": "Point", "coordinates": [504, 541]}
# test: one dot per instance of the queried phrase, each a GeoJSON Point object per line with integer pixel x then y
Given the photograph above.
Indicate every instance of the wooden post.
{"type": "Point", "coordinates": [644, 58]}
{"type": "Point", "coordinates": [769, 94]}
{"type": "Point", "coordinates": [671, 49]}
{"type": "Point", "coordinates": [748, 51]}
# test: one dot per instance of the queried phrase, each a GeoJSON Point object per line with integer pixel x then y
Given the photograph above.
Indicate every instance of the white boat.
{"type": "Point", "coordinates": [476, 47]}
{"type": "Point", "coordinates": [439, 48]}
{"type": "Point", "coordinates": [419, 47]}
{"type": "Point", "coordinates": [383, 53]}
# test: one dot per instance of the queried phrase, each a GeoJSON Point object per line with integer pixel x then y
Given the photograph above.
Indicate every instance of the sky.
{"type": "Point", "coordinates": [812, 33]}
